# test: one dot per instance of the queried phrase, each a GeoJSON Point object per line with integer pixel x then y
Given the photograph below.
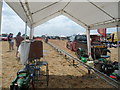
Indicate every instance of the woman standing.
{"type": "Point", "coordinates": [18, 40]}
{"type": "Point", "coordinates": [11, 41]}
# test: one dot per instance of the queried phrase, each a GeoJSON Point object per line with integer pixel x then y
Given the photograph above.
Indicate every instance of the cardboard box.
{"type": "Point", "coordinates": [36, 50]}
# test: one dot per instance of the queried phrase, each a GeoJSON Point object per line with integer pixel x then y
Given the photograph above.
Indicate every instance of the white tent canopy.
{"type": "Point", "coordinates": [88, 14]}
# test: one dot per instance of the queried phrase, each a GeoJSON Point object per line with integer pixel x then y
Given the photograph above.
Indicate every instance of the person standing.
{"type": "Point", "coordinates": [18, 40]}
{"type": "Point", "coordinates": [11, 41]}
{"type": "Point", "coordinates": [46, 39]}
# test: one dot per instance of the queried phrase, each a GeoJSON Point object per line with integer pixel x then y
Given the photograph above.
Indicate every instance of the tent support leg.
{"type": "Point", "coordinates": [88, 42]}
{"type": "Point", "coordinates": [31, 32]}
{"type": "Point", "coordinates": [88, 45]}
{"type": "Point", "coordinates": [1, 3]}
{"type": "Point", "coordinates": [118, 30]}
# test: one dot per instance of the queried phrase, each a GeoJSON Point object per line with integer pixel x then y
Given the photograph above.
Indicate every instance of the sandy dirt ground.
{"type": "Point", "coordinates": [61, 73]}
{"type": "Point", "coordinates": [10, 65]}
{"type": "Point", "coordinates": [62, 45]}
{"type": "Point", "coordinates": [0, 65]}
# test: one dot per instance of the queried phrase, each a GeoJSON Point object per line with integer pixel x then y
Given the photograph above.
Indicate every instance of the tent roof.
{"type": "Point", "coordinates": [88, 14]}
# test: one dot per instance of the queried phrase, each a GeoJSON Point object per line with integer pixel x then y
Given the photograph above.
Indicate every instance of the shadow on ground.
{"type": "Point", "coordinates": [69, 81]}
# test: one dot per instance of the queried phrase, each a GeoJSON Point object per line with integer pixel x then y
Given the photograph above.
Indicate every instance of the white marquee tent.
{"type": "Point", "coordinates": [89, 14]}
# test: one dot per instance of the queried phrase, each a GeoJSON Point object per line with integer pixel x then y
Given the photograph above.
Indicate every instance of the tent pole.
{"type": "Point", "coordinates": [1, 3]}
{"type": "Point", "coordinates": [31, 32]}
{"type": "Point", "coordinates": [25, 30]}
{"type": "Point", "coordinates": [118, 28]}
{"type": "Point", "coordinates": [88, 42]}
{"type": "Point", "coordinates": [88, 45]}
{"type": "Point", "coordinates": [118, 37]}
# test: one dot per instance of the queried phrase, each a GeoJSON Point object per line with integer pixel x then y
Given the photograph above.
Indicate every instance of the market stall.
{"type": "Point", "coordinates": [88, 13]}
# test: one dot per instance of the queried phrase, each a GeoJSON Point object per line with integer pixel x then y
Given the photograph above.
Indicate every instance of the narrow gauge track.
{"type": "Point", "coordinates": [101, 75]}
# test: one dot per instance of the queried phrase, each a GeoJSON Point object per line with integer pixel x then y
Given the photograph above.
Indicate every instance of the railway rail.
{"type": "Point", "coordinates": [101, 75]}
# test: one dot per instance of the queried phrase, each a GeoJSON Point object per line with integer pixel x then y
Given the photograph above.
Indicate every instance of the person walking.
{"type": "Point", "coordinates": [11, 41]}
{"type": "Point", "coordinates": [18, 40]}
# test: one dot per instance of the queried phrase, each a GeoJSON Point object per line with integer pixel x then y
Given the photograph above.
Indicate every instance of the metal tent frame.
{"type": "Point", "coordinates": [102, 14]}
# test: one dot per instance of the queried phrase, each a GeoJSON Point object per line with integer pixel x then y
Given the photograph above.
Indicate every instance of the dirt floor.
{"type": "Point", "coordinates": [62, 45]}
{"type": "Point", "coordinates": [62, 73]}
{"type": "Point", "coordinates": [10, 65]}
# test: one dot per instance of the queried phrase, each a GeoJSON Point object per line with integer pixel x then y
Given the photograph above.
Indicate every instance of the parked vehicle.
{"type": "Point", "coordinates": [112, 45]}
{"type": "Point", "coordinates": [80, 41]}
{"type": "Point", "coordinates": [62, 37]}
{"type": "Point", "coordinates": [75, 41]}
{"type": "Point", "coordinates": [57, 37]}
{"type": "Point", "coordinates": [113, 37]}
{"type": "Point", "coordinates": [27, 37]}
{"type": "Point", "coordinates": [115, 45]}
{"type": "Point", "coordinates": [4, 37]}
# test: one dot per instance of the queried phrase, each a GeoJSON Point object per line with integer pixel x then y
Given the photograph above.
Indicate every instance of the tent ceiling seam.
{"type": "Point", "coordinates": [27, 17]}
{"type": "Point", "coordinates": [104, 25]}
{"type": "Point", "coordinates": [27, 5]}
{"type": "Point", "coordinates": [108, 21]}
{"type": "Point", "coordinates": [105, 22]}
{"type": "Point", "coordinates": [76, 18]}
{"type": "Point", "coordinates": [46, 17]}
{"type": "Point", "coordinates": [16, 11]}
{"type": "Point", "coordinates": [101, 9]}
{"type": "Point", "coordinates": [66, 5]}
{"type": "Point", "coordinates": [44, 8]}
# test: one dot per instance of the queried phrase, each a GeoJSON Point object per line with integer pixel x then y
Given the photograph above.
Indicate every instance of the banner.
{"type": "Point", "coordinates": [102, 31]}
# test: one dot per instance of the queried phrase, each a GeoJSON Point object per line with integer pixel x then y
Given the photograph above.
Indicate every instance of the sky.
{"type": "Point", "coordinates": [61, 25]}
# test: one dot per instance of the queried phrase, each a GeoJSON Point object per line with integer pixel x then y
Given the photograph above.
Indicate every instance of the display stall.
{"type": "Point", "coordinates": [89, 14]}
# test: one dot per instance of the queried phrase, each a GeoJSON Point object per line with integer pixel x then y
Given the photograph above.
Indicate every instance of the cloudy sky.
{"type": "Point", "coordinates": [60, 25]}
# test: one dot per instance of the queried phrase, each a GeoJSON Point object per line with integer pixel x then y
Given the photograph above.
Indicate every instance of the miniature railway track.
{"type": "Point", "coordinates": [99, 74]}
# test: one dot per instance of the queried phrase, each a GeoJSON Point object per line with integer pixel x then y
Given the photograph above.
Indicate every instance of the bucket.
{"type": "Point", "coordinates": [83, 59]}
{"type": "Point", "coordinates": [90, 63]}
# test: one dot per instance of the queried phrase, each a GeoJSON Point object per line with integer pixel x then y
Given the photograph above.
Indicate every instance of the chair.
{"type": "Point", "coordinates": [38, 65]}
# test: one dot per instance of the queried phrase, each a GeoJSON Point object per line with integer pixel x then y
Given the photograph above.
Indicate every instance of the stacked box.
{"type": "Point", "coordinates": [36, 50]}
